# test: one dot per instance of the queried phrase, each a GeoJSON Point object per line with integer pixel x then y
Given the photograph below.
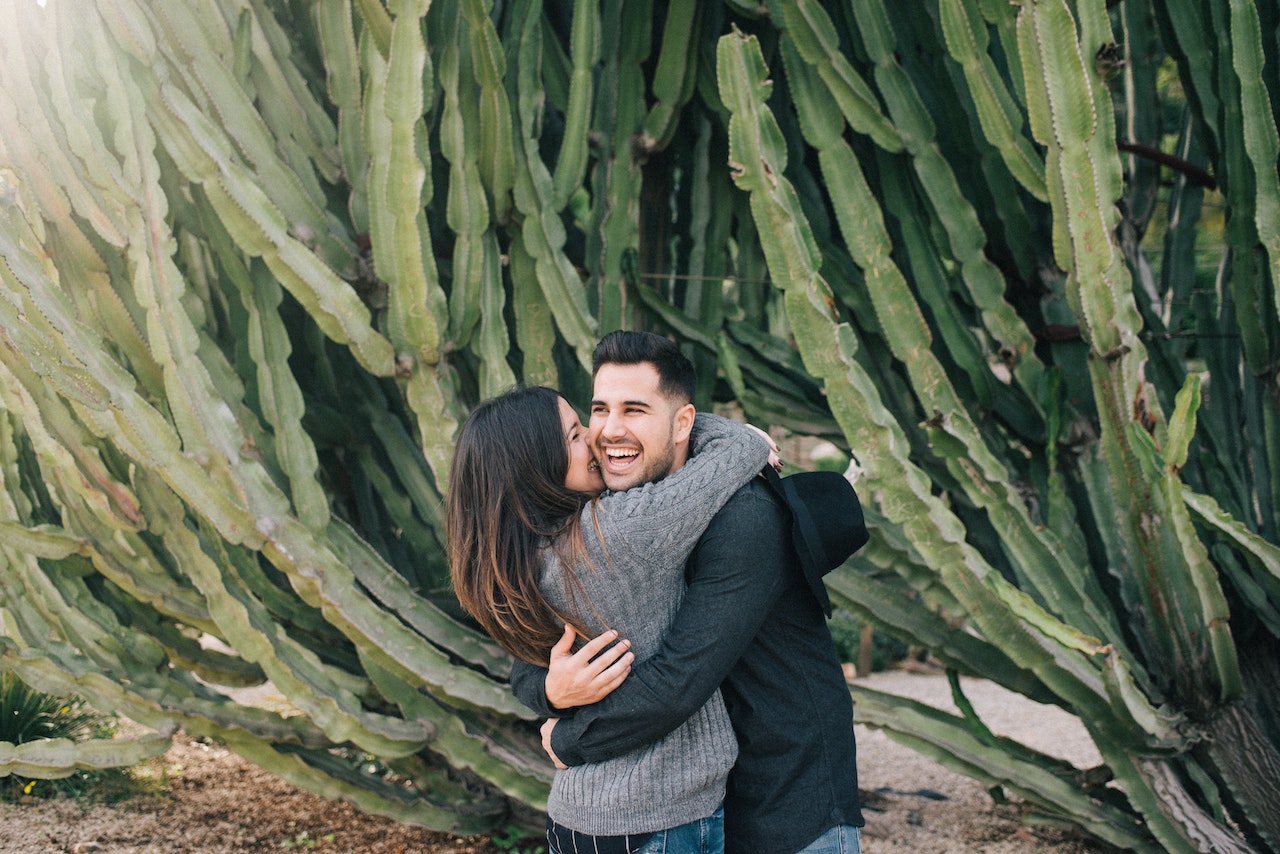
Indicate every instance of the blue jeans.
{"type": "Point", "coordinates": [842, 839]}
{"type": "Point", "coordinates": [704, 836]}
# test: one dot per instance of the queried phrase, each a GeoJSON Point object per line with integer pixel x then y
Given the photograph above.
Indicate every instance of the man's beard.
{"type": "Point", "coordinates": [655, 469]}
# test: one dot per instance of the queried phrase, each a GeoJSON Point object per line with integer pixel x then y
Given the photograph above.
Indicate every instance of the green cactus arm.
{"type": "Point", "coordinates": [584, 51]}
{"type": "Point", "coordinates": [1190, 34]}
{"type": "Point", "coordinates": [160, 702]}
{"type": "Point", "coordinates": [535, 329]}
{"type": "Point", "coordinates": [473, 742]}
{"type": "Point", "coordinates": [967, 40]}
{"type": "Point", "coordinates": [1262, 556]}
{"type": "Point", "coordinates": [966, 240]}
{"type": "Point", "coordinates": [855, 207]}
{"type": "Point", "coordinates": [391, 589]}
{"type": "Point", "coordinates": [299, 115]}
{"type": "Point", "coordinates": [1261, 140]}
{"type": "Point", "coordinates": [466, 209]}
{"type": "Point", "coordinates": [314, 570]}
{"type": "Point", "coordinates": [280, 398]}
{"type": "Point", "coordinates": [497, 134]}
{"type": "Point", "coordinates": [23, 105]}
{"type": "Point", "coordinates": [436, 801]}
{"type": "Point", "coordinates": [192, 39]}
{"type": "Point", "coordinates": [812, 32]}
{"type": "Point", "coordinates": [205, 657]}
{"type": "Point", "coordinates": [674, 76]}
{"type": "Point", "coordinates": [50, 542]}
{"type": "Point", "coordinates": [324, 695]}
{"type": "Point", "coordinates": [938, 535]}
{"type": "Point", "coordinates": [614, 227]}
{"type": "Point", "coordinates": [259, 228]}
{"type": "Point", "coordinates": [1049, 784]}
{"type": "Point", "coordinates": [476, 295]}
{"type": "Point", "coordinates": [44, 606]}
{"type": "Point", "coordinates": [1174, 581]}
{"type": "Point", "coordinates": [887, 606]}
{"type": "Point", "coordinates": [104, 537]}
{"type": "Point", "coordinates": [343, 76]}
{"type": "Point", "coordinates": [52, 759]}
{"type": "Point", "coordinates": [1068, 124]}
{"type": "Point", "coordinates": [400, 185]}
{"type": "Point", "coordinates": [1177, 824]}
{"type": "Point", "coordinates": [542, 231]}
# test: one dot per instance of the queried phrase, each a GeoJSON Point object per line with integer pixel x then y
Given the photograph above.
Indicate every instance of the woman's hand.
{"type": "Point", "coordinates": [775, 461]}
{"type": "Point", "coordinates": [590, 674]}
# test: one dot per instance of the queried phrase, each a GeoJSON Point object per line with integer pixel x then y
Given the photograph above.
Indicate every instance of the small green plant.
{"type": "Point", "coordinates": [846, 633]}
{"type": "Point", "coordinates": [516, 840]}
{"type": "Point", "coordinates": [29, 715]}
{"type": "Point", "coordinates": [304, 840]}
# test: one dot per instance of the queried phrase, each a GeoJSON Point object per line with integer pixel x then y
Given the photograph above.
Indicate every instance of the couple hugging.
{"type": "Point", "coordinates": [707, 711]}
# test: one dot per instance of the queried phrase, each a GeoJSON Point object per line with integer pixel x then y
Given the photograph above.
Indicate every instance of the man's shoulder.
{"type": "Point", "coordinates": [754, 499]}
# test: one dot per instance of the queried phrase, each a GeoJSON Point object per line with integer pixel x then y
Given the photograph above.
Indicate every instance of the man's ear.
{"type": "Point", "coordinates": [683, 423]}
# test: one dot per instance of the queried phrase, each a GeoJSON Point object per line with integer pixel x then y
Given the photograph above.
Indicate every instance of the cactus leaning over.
{"type": "Point", "coordinates": [259, 259]}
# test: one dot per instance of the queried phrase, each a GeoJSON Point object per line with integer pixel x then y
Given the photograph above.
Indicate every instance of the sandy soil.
{"type": "Point", "coordinates": [213, 802]}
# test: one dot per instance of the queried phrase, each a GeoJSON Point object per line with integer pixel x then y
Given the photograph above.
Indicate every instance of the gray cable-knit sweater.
{"type": "Point", "coordinates": [635, 583]}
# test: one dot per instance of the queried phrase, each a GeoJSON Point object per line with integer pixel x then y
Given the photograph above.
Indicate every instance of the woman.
{"type": "Point", "coordinates": [533, 546]}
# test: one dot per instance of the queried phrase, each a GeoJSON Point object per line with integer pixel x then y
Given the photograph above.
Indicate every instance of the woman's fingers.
{"type": "Point", "coordinates": [775, 458]}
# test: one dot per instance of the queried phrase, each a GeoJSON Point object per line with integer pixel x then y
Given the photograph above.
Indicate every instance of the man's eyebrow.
{"type": "Point", "coordinates": [646, 404]}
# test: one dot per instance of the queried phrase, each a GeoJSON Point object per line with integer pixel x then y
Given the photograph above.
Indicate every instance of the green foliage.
{"type": "Point", "coordinates": [846, 632]}
{"type": "Point", "coordinates": [516, 840]}
{"type": "Point", "coordinates": [27, 715]}
{"type": "Point", "coordinates": [1017, 262]}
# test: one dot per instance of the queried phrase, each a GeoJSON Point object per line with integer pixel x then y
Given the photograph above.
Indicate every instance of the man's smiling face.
{"type": "Point", "coordinates": [639, 433]}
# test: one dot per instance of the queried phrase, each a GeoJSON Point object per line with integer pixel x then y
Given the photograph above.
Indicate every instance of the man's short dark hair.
{"type": "Point", "coordinates": [676, 377]}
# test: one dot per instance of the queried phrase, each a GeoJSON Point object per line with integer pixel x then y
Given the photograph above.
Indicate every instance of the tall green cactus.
{"type": "Point", "coordinates": [260, 258]}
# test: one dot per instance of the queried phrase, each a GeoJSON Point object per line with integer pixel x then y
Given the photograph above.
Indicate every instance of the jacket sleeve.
{"type": "Point", "coordinates": [529, 684]}
{"type": "Point", "coordinates": [739, 569]}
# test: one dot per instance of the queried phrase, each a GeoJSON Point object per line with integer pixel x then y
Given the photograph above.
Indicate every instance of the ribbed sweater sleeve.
{"type": "Point", "coordinates": [669, 515]}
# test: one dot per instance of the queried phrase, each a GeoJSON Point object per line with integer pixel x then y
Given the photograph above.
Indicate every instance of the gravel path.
{"type": "Point", "coordinates": [968, 821]}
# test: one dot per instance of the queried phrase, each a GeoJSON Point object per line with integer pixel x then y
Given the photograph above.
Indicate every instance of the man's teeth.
{"type": "Point", "coordinates": [620, 454]}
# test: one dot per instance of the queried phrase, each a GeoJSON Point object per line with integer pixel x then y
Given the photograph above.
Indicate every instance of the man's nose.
{"type": "Point", "coordinates": [611, 426]}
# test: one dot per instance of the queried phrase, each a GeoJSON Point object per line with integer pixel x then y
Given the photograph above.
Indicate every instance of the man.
{"type": "Point", "coordinates": [749, 624]}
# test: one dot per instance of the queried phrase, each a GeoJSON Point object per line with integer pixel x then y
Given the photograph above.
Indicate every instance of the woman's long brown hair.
{"type": "Point", "coordinates": [507, 501]}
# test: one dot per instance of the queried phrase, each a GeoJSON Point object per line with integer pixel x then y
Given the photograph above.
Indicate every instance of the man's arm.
{"type": "Point", "coordinates": [528, 683]}
{"type": "Point", "coordinates": [739, 570]}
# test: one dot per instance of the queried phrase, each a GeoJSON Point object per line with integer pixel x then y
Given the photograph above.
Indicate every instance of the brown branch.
{"type": "Point", "coordinates": [1193, 173]}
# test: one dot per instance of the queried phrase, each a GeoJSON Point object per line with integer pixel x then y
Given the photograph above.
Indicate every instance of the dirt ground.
{"type": "Point", "coordinates": [213, 802]}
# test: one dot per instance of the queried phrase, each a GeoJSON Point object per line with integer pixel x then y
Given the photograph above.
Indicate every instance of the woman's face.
{"type": "Point", "coordinates": [584, 473]}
